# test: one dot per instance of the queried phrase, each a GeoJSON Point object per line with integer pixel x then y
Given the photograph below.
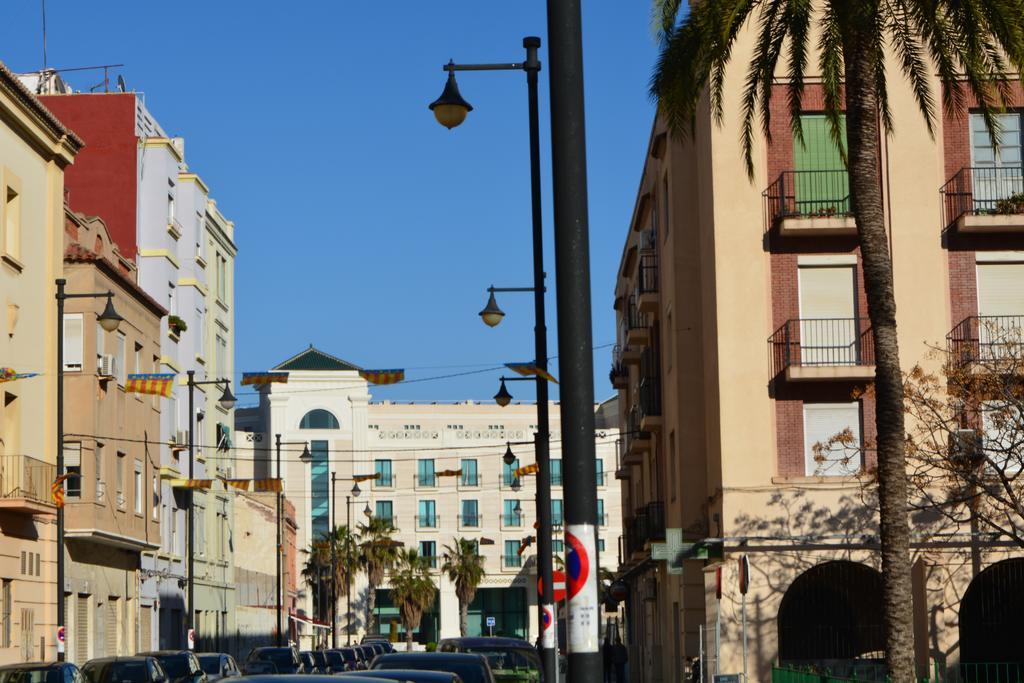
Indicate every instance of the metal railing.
{"type": "Point", "coordinates": [650, 383]}
{"type": "Point", "coordinates": [982, 190]}
{"type": "Point", "coordinates": [384, 481]}
{"type": "Point", "coordinates": [619, 371]}
{"type": "Point", "coordinates": [469, 479]}
{"type": "Point", "coordinates": [634, 318]}
{"type": "Point", "coordinates": [430, 561]}
{"type": "Point", "coordinates": [822, 342]}
{"type": "Point", "coordinates": [638, 530]}
{"type": "Point", "coordinates": [647, 275]}
{"type": "Point", "coordinates": [511, 561]}
{"type": "Point", "coordinates": [656, 521]}
{"type": "Point", "coordinates": [986, 672]}
{"type": "Point", "coordinates": [469, 521]}
{"type": "Point", "coordinates": [22, 476]}
{"type": "Point", "coordinates": [427, 521]}
{"type": "Point", "coordinates": [633, 431]}
{"type": "Point", "coordinates": [808, 194]}
{"type": "Point", "coordinates": [512, 520]}
{"type": "Point", "coordinates": [426, 481]}
{"type": "Point", "coordinates": [987, 337]}
{"type": "Point", "coordinates": [390, 519]}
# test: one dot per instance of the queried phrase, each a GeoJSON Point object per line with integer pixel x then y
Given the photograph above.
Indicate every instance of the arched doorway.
{"type": "Point", "coordinates": [832, 612]}
{"type": "Point", "coordinates": [991, 611]}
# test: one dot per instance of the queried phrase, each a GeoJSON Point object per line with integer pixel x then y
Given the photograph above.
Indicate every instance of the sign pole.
{"type": "Point", "coordinates": [718, 621]}
{"type": "Point", "coordinates": [744, 585]}
{"type": "Point", "coordinates": [700, 651]}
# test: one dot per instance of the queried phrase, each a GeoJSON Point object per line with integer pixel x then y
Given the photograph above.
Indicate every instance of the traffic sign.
{"type": "Point", "coordinates": [60, 639]}
{"type": "Point", "coordinates": [491, 622]}
{"type": "Point", "coordinates": [558, 582]}
{"type": "Point", "coordinates": [577, 562]}
{"type": "Point", "coordinates": [744, 570]}
{"type": "Point", "coordinates": [191, 639]}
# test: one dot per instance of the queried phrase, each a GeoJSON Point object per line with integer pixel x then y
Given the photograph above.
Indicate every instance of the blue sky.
{"type": "Point", "coordinates": [364, 227]}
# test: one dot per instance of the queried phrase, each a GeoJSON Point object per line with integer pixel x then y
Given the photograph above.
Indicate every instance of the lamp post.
{"type": "Point", "coordinates": [227, 402]}
{"type": "Point", "coordinates": [109, 320]}
{"type": "Point", "coordinates": [450, 110]}
{"type": "Point", "coordinates": [305, 457]}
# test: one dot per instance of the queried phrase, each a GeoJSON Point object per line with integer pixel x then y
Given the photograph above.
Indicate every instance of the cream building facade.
{"type": "Point", "coordinates": [416, 449]}
{"type": "Point", "coordinates": [744, 341]}
{"type": "Point", "coordinates": [35, 148]}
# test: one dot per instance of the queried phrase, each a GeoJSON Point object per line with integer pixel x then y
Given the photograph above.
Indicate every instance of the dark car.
{"type": "Point", "coordinates": [41, 672]}
{"type": "Point", "coordinates": [138, 669]}
{"type": "Point", "coordinates": [285, 659]}
{"type": "Point", "coordinates": [217, 665]}
{"type": "Point", "coordinates": [409, 676]}
{"type": "Point", "coordinates": [315, 678]}
{"type": "Point", "coordinates": [181, 665]}
{"type": "Point", "coordinates": [309, 664]}
{"type": "Point", "coordinates": [374, 639]}
{"type": "Point", "coordinates": [320, 662]}
{"type": "Point", "coordinates": [368, 653]}
{"type": "Point", "coordinates": [343, 659]}
{"type": "Point", "coordinates": [377, 646]}
{"type": "Point", "coordinates": [511, 659]}
{"type": "Point", "coordinates": [258, 668]}
{"type": "Point", "coordinates": [471, 668]}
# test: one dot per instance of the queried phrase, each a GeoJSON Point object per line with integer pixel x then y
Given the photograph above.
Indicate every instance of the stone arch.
{"type": "Point", "coordinates": [991, 626]}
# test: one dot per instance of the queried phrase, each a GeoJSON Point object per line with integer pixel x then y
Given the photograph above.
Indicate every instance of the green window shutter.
{"type": "Point", "coordinates": [821, 184]}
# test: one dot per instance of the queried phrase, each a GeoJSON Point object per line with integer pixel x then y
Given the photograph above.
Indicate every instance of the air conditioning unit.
{"type": "Point", "coordinates": [181, 437]}
{"type": "Point", "coordinates": [107, 365]}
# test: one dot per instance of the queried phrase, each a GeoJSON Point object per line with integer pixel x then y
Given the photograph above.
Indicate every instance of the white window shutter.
{"type": "Point", "coordinates": [73, 341]}
{"type": "Point", "coordinates": [1000, 289]}
{"type": "Point", "coordinates": [822, 422]}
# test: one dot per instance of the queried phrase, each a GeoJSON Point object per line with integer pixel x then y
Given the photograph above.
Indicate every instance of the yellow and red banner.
{"type": "Point", "coordinates": [383, 376]}
{"type": "Point", "coordinates": [9, 375]}
{"type": "Point", "coordinates": [156, 384]}
{"type": "Point", "coordinates": [449, 473]}
{"type": "Point", "coordinates": [260, 378]}
{"type": "Point", "coordinates": [192, 483]}
{"type": "Point", "coordinates": [57, 490]}
{"type": "Point", "coordinates": [366, 477]}
{"type": "Point", "coordinates": [526, 543]}
{"type": "Point", "coordinates": [526, 469]}
{"type": "Point", "coordinates": [265, 485]}
{"type": "Point", "coordinates": [531, 370]}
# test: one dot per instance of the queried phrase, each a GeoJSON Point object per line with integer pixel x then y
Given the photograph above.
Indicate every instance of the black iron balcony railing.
{"type": "Point", "coordinates": [511, 561]}
{"type": "Point", "coordinates": [512, 520]}
{"type": "Point", "coordinates": [808, 194]}
{"type": "Point", "coordinates": [430, 561]}
{"type": "Point", "coordinates": [386, 480]}
{"type": "Point", "coordinates": [635, 319]}
{"type": "Point", "coordinates": [987, 338]}
{"type": "Point", "coordinates": [638, 530]}
{"type": "Point", "coordinates": [392, 520]}
{"type": "Point", "coordinates": [650, 384]}
{"type": "Point", "coordinates": [427, 521]}
{"type": "Point", "coordinates": [983, 190]}
{"type": "Point", "coordinates": [633, 431]}
{"type": "Point", "coordinates": [822, 342]}
{"type": "Point", "coordinates": [22, 476]}
{"type": "Point", "coordinates": [427, 480]}
{"type": "Point", "coordinates": [469, 521]}
{"type": "Point", "coordinates": [656, 521]}
{"type": "Point", "coordinates": [619, 374]}
{"type": "Point", "coordinates": [647, 275]}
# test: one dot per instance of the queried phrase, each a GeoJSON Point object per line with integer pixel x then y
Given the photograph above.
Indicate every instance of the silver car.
{"type": "Point", "coordinates": [218, 665]}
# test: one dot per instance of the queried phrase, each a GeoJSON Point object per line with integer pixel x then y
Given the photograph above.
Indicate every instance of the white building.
{"type": "Point", "coordinates": [327, 404]}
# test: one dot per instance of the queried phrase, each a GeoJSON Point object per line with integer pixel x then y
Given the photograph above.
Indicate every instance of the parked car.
{"type": "Point", "coordinates": [217, 665]}
{"type": "Point", "coordinates": [343, 659]}
{"type": "Point", "coordinates": [377, 646]}
{"type": "Point", "coordinates": [368, 653]}
{"type": "Point", "coordinates": [471, 668]}
{"type": "Point", "coordinates": [138, 669]}
{"type": "Point", "coordinates": [319, 658]}
{"type": "Point", "coordinates": [316, 678]}
{"type": "Point", "coordinates": [511, 659]}
{"type": "Point", "coordinates": [308, 664]}
{"type": "Point", "coordinates": [378, 638]}
{"type": "Point", "coordinates": [181, 665]}
{"type": "Point", "coordinates": [409, 676]}
{"type": "Point", "coordinates": [258, 668]}
{"type": "Point", "coordinates": [41, 672]}
{"type": "Point", "coordinates": [285, 659]}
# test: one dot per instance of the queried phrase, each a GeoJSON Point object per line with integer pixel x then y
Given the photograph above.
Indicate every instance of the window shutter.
{"type": "Point", "coordinates": [1001, 289]}
{"type": "Point", "coordinates": [823, 421]}
{"type": "Point", "coordinates": [81, 632]}
{"type": "Point", "coordinates": [73, 341]}
{"type": "Point", "coordinates": [828, 330]}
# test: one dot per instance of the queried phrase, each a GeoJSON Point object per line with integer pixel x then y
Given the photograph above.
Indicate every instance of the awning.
{"type": "Point", "coordinates": [315, 623]}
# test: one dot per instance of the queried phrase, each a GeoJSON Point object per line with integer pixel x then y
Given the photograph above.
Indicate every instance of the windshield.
{"type": "Point", "coordinates": [177, 666]}
{"type": "Point", "coordinates": [27, 674]}
{"type": "Point", "coordinates": [128, 672]}
{"type": "Point", "coordinates": [283, 659]}
{"type": "Point", "coordinates": [319, 657]}
{"type": "Point", "coordinates": [349, 655]}
{"type": "Point", "coordinates": [210, 664]}
{"type": "Point", "coordinates": [469, 672]}
{"type": "Point", "coordinates": [506, 657]}
{"type": "Point", "coordinates": [334, 659]}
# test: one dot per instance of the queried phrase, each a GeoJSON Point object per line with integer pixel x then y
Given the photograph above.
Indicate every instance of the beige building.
{"type": "Point", "coordinates": [744, 341]}
{"type": "Point", "coordinates": [35, 148]}
{"type": "Point", "coordinates": [112, 512]}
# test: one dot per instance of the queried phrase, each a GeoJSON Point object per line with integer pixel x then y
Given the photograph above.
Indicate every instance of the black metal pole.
{"type": "Point", "coordinates": [334, 571]}
{"type": "Point", "coordinates": [280, 543]}
{"type": "Point", "coordinates": [572, 273]}
{"type": "Point", "coordinates": [189, 623]}
{"type": "Point", "coordinates": [60, 459]}
{"type": "Point", "coordinates": [348, 572]}
{"type": "Point", "coordinates": [545, 613]}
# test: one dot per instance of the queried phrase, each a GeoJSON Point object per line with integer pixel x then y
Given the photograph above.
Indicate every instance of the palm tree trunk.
{"type": "Point", "coordinates": [463, 618]}
{"type": "Point", "coordinates": [863, 131]}
{"type": "Point", "coordinates": [371, 605]}
{"type": "Point", "coordinates": [408, 639]}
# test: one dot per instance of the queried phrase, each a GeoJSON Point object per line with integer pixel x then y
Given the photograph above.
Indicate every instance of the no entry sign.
{"type": "Point", "coordinates": [558, 579]}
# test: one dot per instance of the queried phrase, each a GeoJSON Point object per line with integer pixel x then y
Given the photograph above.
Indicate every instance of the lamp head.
{"type": "Point", "coordinates": [503, 398]}
{"type": "Point", "coordinates": [518, 509]}
{"type": "Point", "coordinates": [516, 484]}
{"type": "Point", "coordinates": [306, 456]}
{"type": "Point", "coordinates": [227, 399]}
{"type": "Point", "coordinates": [509, 456]}
{"type": "Point", "coordinates": [450, 109]}
{"type": "Point", "coordinates": [356, 490]}
{"type": "Point", "coordinates": [491, 315]}
{"type": "Point", "coordinates": [109, 319]}
{"type": "Point", "coordinates": [367, 511]}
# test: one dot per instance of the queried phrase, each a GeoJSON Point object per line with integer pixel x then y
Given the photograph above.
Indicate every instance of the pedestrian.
{"type": "Point", "coordinates": [608, 657]}
{"type": "Point", "coordinates": [620, 655]}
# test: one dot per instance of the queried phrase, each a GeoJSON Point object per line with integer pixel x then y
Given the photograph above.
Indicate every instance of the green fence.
{"type": "Point", "coordinates": [990, 672]}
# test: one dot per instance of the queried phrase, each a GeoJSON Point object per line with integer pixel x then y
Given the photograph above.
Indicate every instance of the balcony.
{"type": "Point", "coordinates": [636, 532]}
{"type": "Point", "coordinates": [469, 480]}
{"type": "Point", "coordinates": [647, 284]}
{"type": "Point", "coordinates": [511, 561]}
{"type": "Point", "coordinates": [470, 521]}
{"type": "Point", "coordinates": [390, 519]}
{"type": "Point", "coordinates": [427, 522]}
{"type": "Point", "coordinates": [385, 481]}
{"type": "Point", "coordinates": [638, 441]}
{"type": "Point", "coordinates": [987, 341]}
{"type": "Point", "coordinates": [827, 349]}
{"type": "Point", "coordinates": [650, 392]}
{"type": "Point", "coordinates": [25, 484]}
{"type": "Point", "coordinates": [619, 374]}
{"type": "Point", "coordinates": [426, 480]}
{"type": "Point", "coordinates": [511, 521]}
{"type": "Point", "coordinates": [984, 201]}
{"type": "Point", "coordinates": [656, 521]}
{"type": "Point", "coordinates": [636, 325]}
{"type": "Point", "coordinates": [622, 470]}
{"type": "Point", "coordinates": [430, 561]}
{"type": "Point", "coordinates": [811, 203]}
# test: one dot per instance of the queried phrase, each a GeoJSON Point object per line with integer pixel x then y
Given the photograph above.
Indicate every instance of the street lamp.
{"type": "Point", "coordinates": [305, 457]}
{"type": "Point", "coordinates": [109, 320]}
{"type": "Point", "coordinates": [509, 456]}
{"type": "Point", "coordinates": [492, 315]}
{"type": "Point", "coordinates": [227, 402]}
{"type": "Point", "coordinates": [450, 109]}
{"type": "Point", "coordinates": [348, 559]}
{"type": "Point", "coordinates": [503, 398]}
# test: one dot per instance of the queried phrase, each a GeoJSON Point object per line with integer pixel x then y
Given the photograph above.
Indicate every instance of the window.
{"type": "Point", "coordinates": [556, 511]}
{"type": "Point", "coordinates": [170, 206]}
{"type": "Point", "coordinates": [222, 275]}
{"type": "Point", "coordinates": [821, 184]}
{"type": "Point", "coordinates": [73, 466]}
{"type": "Point", "coordinates": [12, 223]}
{"type": "Point", "coordinates": [427, 518]}
{"type": "Point", "coordinates": [119, 358]}
{"type": "Point", "coordinates": [120, 479]}
{"type": "Point", "coordinates": [831, 450]}
{"type": "Point", "coordinates": [137, 360]}
{"type": "Point", "coordinates": [672, 482]}
{"type": "Point", "coordinates": [172, 299]}
{"type": "Point", "coordinates": [666, 225]}
{"type": "Point", "coordinates": [601, 520]}
{"type": "Point", "coordinates": [557, 545]}
{"type": "Point", "coordinates": [137, 490]}
{"type": "Point", "coordinates": [382, 468]}
{"type": "Point", "coordinates": [428, 551]}
{"type": "Point", "coordinates": [320, 489]}
{"type": "Point", "coordinates": [599, 473]}
{"type": "Point", "coordinates": [470, 513]}
{"type": "Point", "coordinates": [425, 475]}
{"type": "Point", "coordinates": [384, 509]}
{"type": "Point", "coordinates": [512, 558]}
{"type": "Point", "coordinates": [508, 472]}
{"type": "Point", "coordinates": [156, 496]}
{"type": "Point", "coordinates": [319, 419]}
{"type": "Point", "coordinates": [6, 607]}
{"type": "Point", "coordinates": [997, 168]}
{"type": "Point", "coordinates": [600, 545]}
{"type": "Point", "coordinates": [511, 516]}
{"type": "Point", "coordinates": [101, 484]}
{"type": "Point", "coordinates": [101, 336]}
{"type": "Point", "coordinates": [411, 428]}
{"type": "Point", "coordinates": [73, 341]}
{"type": "Point", "coordinates": [1000, 306]}
{"type": "Point", "coordinates": [1002, 429]}
{"type": "Point", "coordinates": [828, 325]}
{"type": "Point", "coordinates": [470, 475]}
{"type": "Point", "coordinates": [200, 530]}
{"type": "Point", "coordinates": [221, 357]}
{"type": "Point", "coordinates": [556, 471]}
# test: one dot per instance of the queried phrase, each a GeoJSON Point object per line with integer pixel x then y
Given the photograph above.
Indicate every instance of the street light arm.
{"type": "Point", "coordinates": [93, 295]}
{"type": "Point", "coordinates": [512, 66]}
{"type": "Point", "coordinates": [493, 289]}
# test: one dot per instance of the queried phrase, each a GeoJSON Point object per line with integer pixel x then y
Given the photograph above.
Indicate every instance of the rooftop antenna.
{"type": "Point", "coordinates": [121, 86]}
{"type": "Point", "coordinates": [44, 34]}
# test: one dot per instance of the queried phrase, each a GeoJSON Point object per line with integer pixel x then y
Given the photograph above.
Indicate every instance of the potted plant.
{"type": "Point", "coordinates": [176, 325]}
{"type": "Point", "coordinates": [1013, 204]}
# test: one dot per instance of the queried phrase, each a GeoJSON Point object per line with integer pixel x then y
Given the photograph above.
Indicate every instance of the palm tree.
{"type": "Point", "coordinates": [973, 45]}
{"type": "Point", "coordinates": [316, 568]}
{"type": "Point", "coordinates": [319, 559]}
{"type": "Point", "coordinates": [465, 568]}
{"type": "Point", "coordinates": [413, 590]}
{"type": "Point", "coordinates": [377, 552]}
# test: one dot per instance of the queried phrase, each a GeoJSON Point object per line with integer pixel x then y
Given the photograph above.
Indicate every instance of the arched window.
{"type": "Point", "coordinates": [319, 419]}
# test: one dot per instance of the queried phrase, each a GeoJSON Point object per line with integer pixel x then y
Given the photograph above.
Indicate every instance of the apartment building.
{"type": "Point", "coordinates": [744, 345]}
{"type": "Point", "coordinates": [440, 475]}
{"type": "Point", "coordinates": [112, 511]}
{"type": "Point", "coordinates": [155, 208]}
{"type": "Point", "coordinates": [35, 150]}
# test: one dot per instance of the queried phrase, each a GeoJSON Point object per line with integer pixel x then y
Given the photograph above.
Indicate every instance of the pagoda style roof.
{"type": "Point", "coordinates": [315, 359]}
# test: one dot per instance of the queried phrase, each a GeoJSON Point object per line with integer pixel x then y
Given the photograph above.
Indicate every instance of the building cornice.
{"type": "Point", "coordinates": [160, 253]}
{"type": "Point", "coordinates": [167, 143]}
{"type": "Point", "coordinates": [192, 282]}
{"type": "Point", "coordinates": [194, 178]}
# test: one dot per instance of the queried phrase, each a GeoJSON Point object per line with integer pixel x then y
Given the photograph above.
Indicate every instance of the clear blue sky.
{"type": "Point", "coordinates": [364, 227]}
